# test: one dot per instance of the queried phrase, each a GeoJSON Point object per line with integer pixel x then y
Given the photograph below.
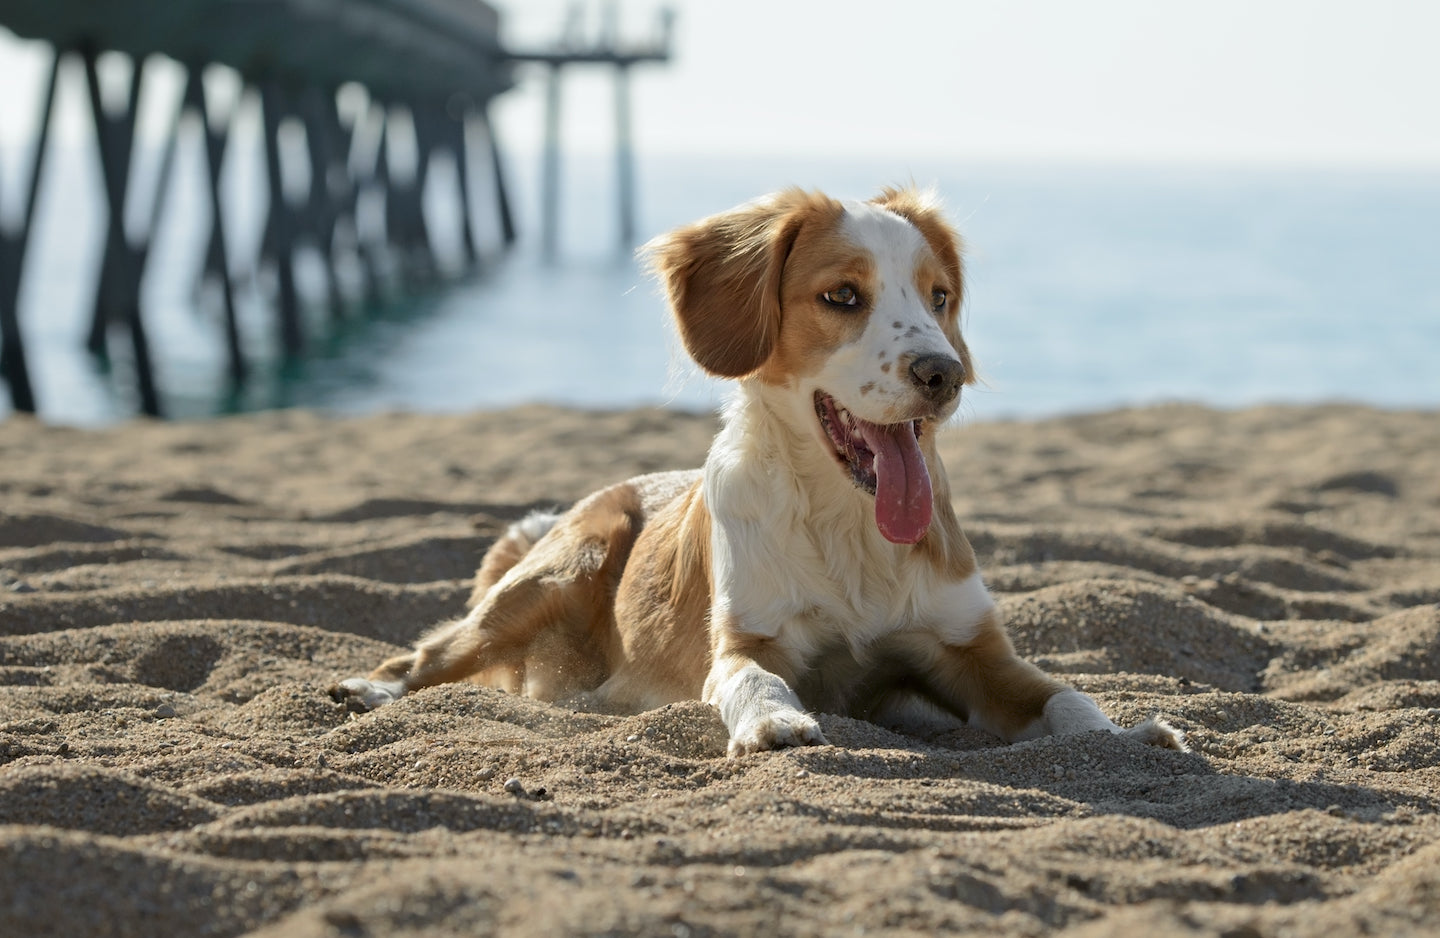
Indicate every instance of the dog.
{"type": "Point", "coordinates": [815, 563]}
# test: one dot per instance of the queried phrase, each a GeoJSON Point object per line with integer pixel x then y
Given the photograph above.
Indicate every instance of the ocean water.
{"type": "Point", "coordinates": [1090, 287]}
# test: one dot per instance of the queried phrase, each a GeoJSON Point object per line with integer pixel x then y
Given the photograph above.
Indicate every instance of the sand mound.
{"type": "Point", "coordinates": [174, 600]}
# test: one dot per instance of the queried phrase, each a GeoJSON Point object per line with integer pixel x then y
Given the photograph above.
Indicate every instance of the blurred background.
{"type": "Point", "coordinates": [1228, 202]}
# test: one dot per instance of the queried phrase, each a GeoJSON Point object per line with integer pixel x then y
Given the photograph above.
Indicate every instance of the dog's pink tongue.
{"type": "Point", "coordinates": [902, 483]}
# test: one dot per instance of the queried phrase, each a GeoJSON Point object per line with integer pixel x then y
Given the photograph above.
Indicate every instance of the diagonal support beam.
{"type": "Point", "coordinates": [118, 299]}
{"type": "Point", "coordinates": [329, 184]}
{"type": "Point", "coordinates": [502, 193]}
{"type": "Point", "coordinates": [456, 139]}
{"type": "Point", "coordinates": [215, 137]}
{"type": "Point", "coordinates": [281, 224]}
{"type": "Point", "coordinates": [368, 144]}
{"type": "Point", "coordinates": [404, 200]}
{"type": "Point", "coordinates": [217, 143]}
{"type": "Point", "coordinates": [115, 137]}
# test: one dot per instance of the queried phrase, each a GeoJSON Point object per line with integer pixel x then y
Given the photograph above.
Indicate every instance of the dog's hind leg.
{"type": "Point", "coordinates": [566, 580]}
{"type": "Point", "coordinates": [509, 549]}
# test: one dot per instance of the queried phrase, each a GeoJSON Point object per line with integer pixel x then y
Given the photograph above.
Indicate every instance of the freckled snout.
{"type": "Point", "coordinates": [937, 377]}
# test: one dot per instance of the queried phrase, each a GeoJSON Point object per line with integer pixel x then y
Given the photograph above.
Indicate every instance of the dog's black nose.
{"type": "Point", "coordinates": [938, 377]}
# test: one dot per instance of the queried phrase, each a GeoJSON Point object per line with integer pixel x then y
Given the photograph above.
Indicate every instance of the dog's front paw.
{"type": "Point", "coordinates": [776, 730]}
{"type": "Point", "coordinates": [1156, 732]}
{"type": "Point", "coordinates": [360, 694]}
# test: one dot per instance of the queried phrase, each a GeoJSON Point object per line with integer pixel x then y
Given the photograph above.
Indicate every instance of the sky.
{"type": "Point", "coordinates": [1328, 82]}
{"type": "Point", "coordinates": [1306, 82]}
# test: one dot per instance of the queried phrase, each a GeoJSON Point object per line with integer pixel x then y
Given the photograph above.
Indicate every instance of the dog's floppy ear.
{"type": "Point", "coordinates": [722, 275]}
{"type": "Point", "coordinates": [922, 209]}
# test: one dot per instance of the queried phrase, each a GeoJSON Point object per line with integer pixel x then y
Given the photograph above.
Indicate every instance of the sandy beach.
{"type": "Point", "coordinates": [176, 598]}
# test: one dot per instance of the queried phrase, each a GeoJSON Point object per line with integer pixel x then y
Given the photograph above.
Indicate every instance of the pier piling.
{"type": "Point", "coordinates": [606, 50]}
{"type": "Point", "coordinates": [281, 224]}
{"type": "Point", "coordinates": [497, 175]}
{"type": "Point", "coordinates": [13, 246]}
{"type": "Point", "coordinates": [428, 69]}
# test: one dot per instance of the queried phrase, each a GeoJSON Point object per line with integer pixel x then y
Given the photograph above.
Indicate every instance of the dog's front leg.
{"type": "Point", "coordinates": [750, 683]}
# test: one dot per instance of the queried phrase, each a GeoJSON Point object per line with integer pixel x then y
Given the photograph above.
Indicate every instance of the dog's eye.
{"type": "Point", "coordinates": [843, 296]}
{"type": "Point", "coordinates": [938, 299]}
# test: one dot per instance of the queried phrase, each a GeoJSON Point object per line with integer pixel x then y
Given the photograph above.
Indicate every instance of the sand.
{"type": "Point", "coordinates": [175, 599]}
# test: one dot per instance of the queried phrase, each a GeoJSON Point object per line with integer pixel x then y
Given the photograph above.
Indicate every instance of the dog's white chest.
{"type": "Point", "coordinates": [810, 585]}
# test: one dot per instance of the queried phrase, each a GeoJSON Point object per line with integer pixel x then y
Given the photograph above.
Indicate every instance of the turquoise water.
{"type": "Point", "coordinates": [1090, 288]}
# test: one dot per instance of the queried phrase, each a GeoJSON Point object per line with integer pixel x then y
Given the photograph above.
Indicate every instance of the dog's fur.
{"type": "Point", "coordinates": [815, 563]}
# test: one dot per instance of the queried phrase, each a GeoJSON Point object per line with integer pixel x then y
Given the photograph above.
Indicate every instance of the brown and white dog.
{"type": "Point", "coordinates": [815, 563]}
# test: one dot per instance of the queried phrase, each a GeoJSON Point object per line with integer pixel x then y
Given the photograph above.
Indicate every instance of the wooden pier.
{"type": "Point", "coordinates": [429, 70]}
{"type": "Point", "coordinates": [607, 50]}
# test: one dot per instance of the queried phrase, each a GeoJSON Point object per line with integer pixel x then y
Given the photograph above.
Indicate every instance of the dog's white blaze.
{"type": "Point", "coordinates": [901, 323]}
{"type": "Point", "coordinates": [958, 608]}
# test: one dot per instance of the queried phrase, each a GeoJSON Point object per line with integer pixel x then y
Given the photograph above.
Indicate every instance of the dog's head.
{"type": "Point", "coordinates": [852, 305]}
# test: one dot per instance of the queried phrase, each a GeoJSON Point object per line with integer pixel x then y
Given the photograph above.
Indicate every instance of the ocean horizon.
{"type": "Point", "coordinates": [1089, 287]}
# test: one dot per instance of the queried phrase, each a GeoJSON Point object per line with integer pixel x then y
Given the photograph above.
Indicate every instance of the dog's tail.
{"type": "Point", "coordinates": [507, 550]}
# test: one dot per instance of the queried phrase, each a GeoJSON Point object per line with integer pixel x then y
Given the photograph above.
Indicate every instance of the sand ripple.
{"type": "Point", "coordinates": [170, 763]}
